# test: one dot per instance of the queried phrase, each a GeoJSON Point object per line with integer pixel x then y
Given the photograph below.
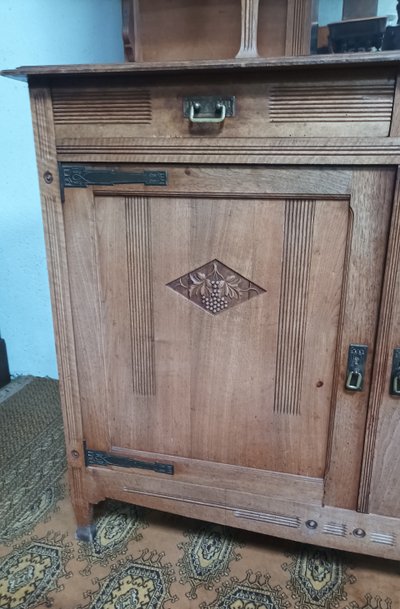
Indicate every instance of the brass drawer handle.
{"type": "Point", "coordinates": [211, 109]}
{"type": "Point", "coordinates": [195, 109]}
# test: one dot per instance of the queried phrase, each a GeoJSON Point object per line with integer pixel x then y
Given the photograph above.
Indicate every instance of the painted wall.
{"type": "Point", "coordinates": [331, 10]}
{"type": "Point", "coordinates": [34, 32]}
{"type": "Point", "coordinates": [388, 7]}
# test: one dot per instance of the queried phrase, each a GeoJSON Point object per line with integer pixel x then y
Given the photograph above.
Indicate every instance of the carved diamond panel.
{"type": "Point", "coordinates": [215, 287]}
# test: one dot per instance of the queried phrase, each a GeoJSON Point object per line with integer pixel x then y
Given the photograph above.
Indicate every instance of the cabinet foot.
{"type": "Point", "coordinates": [86, 533]}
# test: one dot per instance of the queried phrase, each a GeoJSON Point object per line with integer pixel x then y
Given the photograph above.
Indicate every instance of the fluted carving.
{"type": "Point", "coordinates": [248, 45]}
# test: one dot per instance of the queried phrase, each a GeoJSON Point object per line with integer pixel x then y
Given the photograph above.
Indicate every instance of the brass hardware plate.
{"type": "Point", "coordinates": [356, 367]}
{"type": "Point", "coordinates": [208, 107]}
{"type": "Point", "coordinates": [395, 374]}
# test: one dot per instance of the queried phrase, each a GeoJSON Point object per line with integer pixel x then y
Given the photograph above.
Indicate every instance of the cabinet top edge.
{"type": "Point", "coordinates": [388, 58]}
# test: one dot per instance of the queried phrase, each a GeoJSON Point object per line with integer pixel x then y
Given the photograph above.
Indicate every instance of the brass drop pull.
{"type": "Point", "coordinates": [396, 384]}
{"type": "Point", "coordinates": [354, 381]}
{"type": "Point", "coordinates": [208, 108]}
{"type": "Point", "coordinates": [395, 376]}
{"type": "Point", "coordinates": [195, 110]}
{"type": "Point", "coordinates": [356, 367]}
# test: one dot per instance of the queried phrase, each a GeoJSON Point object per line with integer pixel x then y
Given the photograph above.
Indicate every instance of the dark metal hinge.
{"type": "Point", "coordinates": [81, 176]}
{"type": "Point", "coordinates": [103, 459]}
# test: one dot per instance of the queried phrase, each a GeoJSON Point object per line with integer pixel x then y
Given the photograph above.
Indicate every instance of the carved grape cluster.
{"type": "Point", "coordinates": [214, 302]}
{"type": "Point", "coordinates": [215, 287]}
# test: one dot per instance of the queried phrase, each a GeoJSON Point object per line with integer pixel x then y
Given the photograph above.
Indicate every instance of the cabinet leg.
{"type": "Point", "coordinates": [86, 530]}
{"type": "Point", "coordinates": [86, 533]}
{"type": "Point", "coordinates": [83, 510]}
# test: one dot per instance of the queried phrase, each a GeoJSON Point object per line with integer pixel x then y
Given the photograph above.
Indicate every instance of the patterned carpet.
{"type": "Point", "coordinates": [142, 559]}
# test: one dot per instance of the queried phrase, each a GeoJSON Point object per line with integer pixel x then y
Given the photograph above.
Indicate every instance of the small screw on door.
{"type": "Point", "coordinates": [75, 454]}
{"type": "Point", "coordinates": [48, 177]}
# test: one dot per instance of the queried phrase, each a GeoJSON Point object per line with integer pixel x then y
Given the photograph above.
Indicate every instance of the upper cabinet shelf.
{"type": "Point", "coordinates": [156, 30]}
{"type": "Point", "coordinates": [175, 30]}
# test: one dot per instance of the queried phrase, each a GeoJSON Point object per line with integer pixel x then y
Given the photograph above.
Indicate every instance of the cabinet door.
{"type": "Point", "coordinates": [213, 317]}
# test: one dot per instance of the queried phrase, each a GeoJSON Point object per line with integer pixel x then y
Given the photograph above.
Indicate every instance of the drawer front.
{"type": "Point", "coordinates": [283, 107]}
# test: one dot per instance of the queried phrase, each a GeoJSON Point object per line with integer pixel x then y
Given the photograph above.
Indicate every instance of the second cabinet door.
{"type": "Point", "coordinates": [213, 318]}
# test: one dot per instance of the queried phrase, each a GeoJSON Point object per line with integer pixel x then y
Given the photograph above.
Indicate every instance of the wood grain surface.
{"type": "Point", "coordinates": [199, 407]}
{"type": "Point", "coordinates": [335, 105]}
{"type": "Point", "coordinates": [43, 125]}
{"type": "Point", "coordinates": [380, 483]}
{"type": "Point", "coordinates": [350, 60]}
{"type": "Point", "coordinates": [366, 253]}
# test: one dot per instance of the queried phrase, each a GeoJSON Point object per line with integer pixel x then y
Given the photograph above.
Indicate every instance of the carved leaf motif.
{"type": "Point", "coordinates": [200, 284]}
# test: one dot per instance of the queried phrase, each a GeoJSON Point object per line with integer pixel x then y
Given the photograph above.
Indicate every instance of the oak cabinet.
{"type": "Point", "coordinates": [223, 245]}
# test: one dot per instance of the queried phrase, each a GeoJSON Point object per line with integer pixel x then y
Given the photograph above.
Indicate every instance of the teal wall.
{"type": "Point", "coordinates": [331, 10]}
{"type": "Point", "coordinates": [37, 32]}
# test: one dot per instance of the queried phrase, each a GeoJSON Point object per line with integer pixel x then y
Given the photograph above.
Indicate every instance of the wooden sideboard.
{"type": "Point", "coordinates": [223, 244]}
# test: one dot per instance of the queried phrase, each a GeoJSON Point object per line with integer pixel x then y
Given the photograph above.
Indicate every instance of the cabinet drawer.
{"type": "Point", "coordinates": [265, 106]}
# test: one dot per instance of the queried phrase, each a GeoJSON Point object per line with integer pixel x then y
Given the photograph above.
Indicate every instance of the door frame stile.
{"type": "Point", "coordinates": [53, 220]}
{"type": "Point", "coordinates": [382, 354]}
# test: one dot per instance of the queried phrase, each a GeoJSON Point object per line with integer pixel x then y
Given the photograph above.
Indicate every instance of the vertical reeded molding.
{"type": "Point", "coordinates": [41, 131]}
{"type": "Point", "coordinates": [295, 279]}
{"type": "Point", "coordinates": [382, 354]}
{"type": "Point", "coordinates": [298, 27]}
{"type": "Point", "coordinates": [248, 44]}
{"type": "Point", "coordinates": [138, 225]}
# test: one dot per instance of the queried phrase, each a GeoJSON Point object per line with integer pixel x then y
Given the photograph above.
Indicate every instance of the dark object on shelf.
{"type": "Point", "coordinates": [391, 39]}
{"type": "Point", "coordinates": [356, 35]}
{"type": "Point", "coordinates": [4, 370]}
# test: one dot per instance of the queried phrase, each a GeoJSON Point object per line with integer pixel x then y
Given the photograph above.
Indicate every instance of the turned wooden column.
{"type": "Point", "coordinates": [248, 44]}
{"type": "Point", "coordinates": [131, 30]}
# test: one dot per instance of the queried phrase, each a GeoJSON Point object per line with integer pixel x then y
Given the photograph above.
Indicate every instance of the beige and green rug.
{"type": "Point", "coordinates": [142, 559]}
